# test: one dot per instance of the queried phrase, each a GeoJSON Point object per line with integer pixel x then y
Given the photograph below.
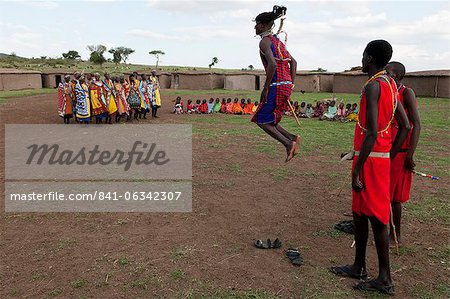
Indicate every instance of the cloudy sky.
{"type": "Point", "coordinates": [330, 35]}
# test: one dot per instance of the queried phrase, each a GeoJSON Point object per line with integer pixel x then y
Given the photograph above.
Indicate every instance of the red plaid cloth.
{"type": "Point", "coordinates": [276, 103]}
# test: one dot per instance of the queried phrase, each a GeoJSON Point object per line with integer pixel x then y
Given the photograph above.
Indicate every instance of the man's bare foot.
{"type": "Point", "coordinates": [290, 151]}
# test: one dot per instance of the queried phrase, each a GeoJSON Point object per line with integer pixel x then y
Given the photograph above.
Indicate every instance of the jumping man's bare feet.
{"type": "Point", "coordinates": [290, 151]}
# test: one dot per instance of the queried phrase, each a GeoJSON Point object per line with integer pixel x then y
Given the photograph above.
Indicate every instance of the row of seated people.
{"type": "Point", "coordinates": [323, 109]}
{"type": "Point", "coordinates": [216, 106]}
{"type": "Point", "coordinates": [326, 110]}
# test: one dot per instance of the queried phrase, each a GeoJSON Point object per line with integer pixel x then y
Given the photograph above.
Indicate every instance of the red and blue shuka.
{"type": "Point", "coordinates": [401, 178]}
{"type": "Point", "coordinates": [280, 87]}
{"type": "Point", "coordinates": [374, 199]}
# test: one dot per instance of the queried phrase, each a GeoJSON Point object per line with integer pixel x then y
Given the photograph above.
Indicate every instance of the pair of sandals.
{"type": "Point", "coordinates": [364, 284]}
{"type": "Point", "coordinates": [294, 150]}
{"type": "Point", "coordinates": [346, 226]}
{"type": "Point", "coordinates": [292, 253]}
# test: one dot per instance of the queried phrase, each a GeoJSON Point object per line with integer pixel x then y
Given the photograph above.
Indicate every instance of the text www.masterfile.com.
{"type": "Point", "coordinates": [97, 196]}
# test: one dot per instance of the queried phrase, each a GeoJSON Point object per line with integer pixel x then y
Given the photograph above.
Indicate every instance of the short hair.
{"type": "Point", "coordinates": [399, 69]}
{"type": "Point", "coordinates": [269, 17]}
{"type": "Point", "coordinates": [380, 50]}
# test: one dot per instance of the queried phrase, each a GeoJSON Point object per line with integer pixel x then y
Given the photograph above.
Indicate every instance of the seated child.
{"type": "Point", "coordinates": [309, 111]}
{"type": "Point", "coordinates": [348, 109]}
{"type": "Point", "coordinates": [331, 112]}
{"type": "Point", "coordinates": [340, 114]}
{"type": "Point", "coordinates": [223, 106]}
{"type": "Point", "coordinates": [318, 110]}
{"type": "Point", "coordinates": [210, 105]}
{"type": "Point", "coordinates": [203, 107]}
{"type": "Point", "coordinates": [237, 108]}
{"type": "Point", "coordinates": [229, 106]}
{"type": "Point", "coordinates": [190, 108]}
{"type": "Point", "coordinates": [248, 109]}
{"type": "Point", "coordinates": [302, 110]}
{"type": "Point", "coordinates": [178, 109]}
{"type": "Point", "coordinates": [255, 107]}
{"type": "Point", "coordinates": [296, 107]}
{"type": "Point", "coordinates": [217, 106]}
{"type": "Point", "coordinates": [242, 104]}
{"type": "Point", "coordinates": [353, 115]}
{"type": "Point", "coordinates": [197, 106]}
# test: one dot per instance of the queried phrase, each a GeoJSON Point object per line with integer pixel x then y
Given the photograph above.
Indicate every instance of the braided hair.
{"type": "Point", "coordinates": [270, 17]}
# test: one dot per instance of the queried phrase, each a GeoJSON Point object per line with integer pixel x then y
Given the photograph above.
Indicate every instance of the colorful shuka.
{"type": "Point", "coordinates": [280, 87]}
{"type": "Point", "coordinates": [401, 178]}
{"type": "Point", "coordinates": [143, 92]}
{"type": "Point", "coordinates": [156, 98]}
{"type": "Point", "coordinates": [83, 108]}
{"type": "Point", "coordinates": [72, 85]}
{"type": "Point", "coordinates": [133, 98]}
{"type": "Point", "coordinates": [65, 100]}
{"type": "Point", "coordinates": [111, 103]}
{"type": "Point", "coordinates": [374, 199]}
{"type": "Point", "coordinates": [97, 94]}
{"type": "Point", "coordinates": [150, 92]}
{"type": "Point", "coordinates": [122, 105]}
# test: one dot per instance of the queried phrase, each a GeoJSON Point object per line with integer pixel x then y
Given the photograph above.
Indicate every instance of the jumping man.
{"type": "Point", "coordinates": [280, 69]}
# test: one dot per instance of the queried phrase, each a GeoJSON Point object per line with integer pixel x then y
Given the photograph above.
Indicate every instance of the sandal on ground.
{"type": "Point", "coordinates": [268, 244]}
{"type": "Point", "coordinates": [345, 226]}
{"type": "Point", "coordinates": [374, 286]}
{"type": "Point", "coordinates": [294, 256]}
{"type": "Point", "coordinates": [346, 271]}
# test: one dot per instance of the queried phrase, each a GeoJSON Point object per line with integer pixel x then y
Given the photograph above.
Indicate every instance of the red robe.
{"type": "Point", "coordinates": [401, 178]}
{"type": "Point", "coordinates": [374, 199]}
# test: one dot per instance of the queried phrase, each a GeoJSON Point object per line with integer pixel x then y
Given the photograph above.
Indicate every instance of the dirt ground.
{"type": "Point", "coordinates": [239, 194]}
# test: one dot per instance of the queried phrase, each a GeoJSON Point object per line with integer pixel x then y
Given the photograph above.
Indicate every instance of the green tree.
{"type": "Point", "coordinates": [157, 54]}
{"type": "Point", "coordinates": [97, 54]}
{"type": "Point", "coordinates": [71, 54]}
{"type": "Point", "coordinates": [125, 52]}
{"type": "Point", "coordinates": [214, 61]}
{"type": "Point", "coordinates": [117, 55]}
{"type": "Point", "coordinates": [251, 67]}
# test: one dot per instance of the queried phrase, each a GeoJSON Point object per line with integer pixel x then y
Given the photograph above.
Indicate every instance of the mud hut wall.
{"type": "Point", "coordinates": [428, 86]}
{"type": "Point", "coordinates": [262, 80]}
{"type": "Point", "coordinates": [48, 81]}
{"type": "Point", "coordinates": [165, 81]}
{"type": "Point", "coordinates": [218, 81]}
{"type": "Point", "coordinates": [348, 83]}
{"type": "Point", "coordinates": [188, 81]}
{"type": "Point", "coordinates": [240, 82]}
{"type": "Point", "coordinates": [20, 81]}
{"type": "Point", "coordinates": [326, 83]}
{"type": "Point", "coordinates": [444, 87]}
{"type": "Point", "coordinates": [309, 83]}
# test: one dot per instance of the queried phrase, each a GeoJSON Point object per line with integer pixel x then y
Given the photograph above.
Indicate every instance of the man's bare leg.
{"type": "Point", "coordinates": [275, 133]}
{"type": "Point", "coordinates": [381, 237]}
{"type": "Point", "coordinates": [290, 136]}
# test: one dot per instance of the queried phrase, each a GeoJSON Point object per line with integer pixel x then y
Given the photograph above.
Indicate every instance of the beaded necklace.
{"type": "Point", "coordinates": [382, 75]}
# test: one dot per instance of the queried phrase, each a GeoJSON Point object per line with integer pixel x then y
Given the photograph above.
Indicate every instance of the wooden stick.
{"type": "Point", "coordinates": [293, 112]}
{"type": "Point", "coordinates": [395, 232]}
